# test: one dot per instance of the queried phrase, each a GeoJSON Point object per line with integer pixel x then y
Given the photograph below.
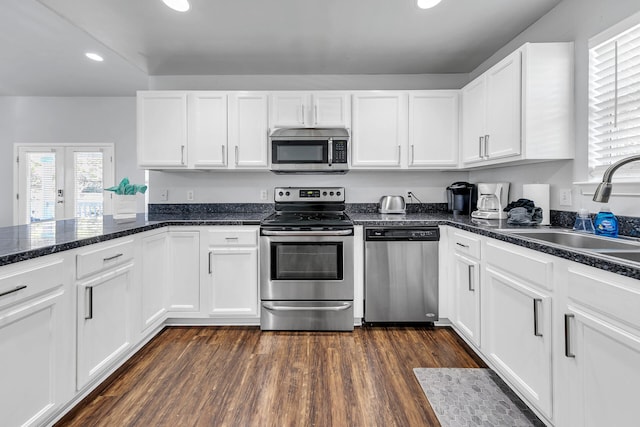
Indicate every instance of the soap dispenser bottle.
{"type": "Point", "coordinates": [583, 222]}
{"type": "Point", "coordinates": [606, 223]}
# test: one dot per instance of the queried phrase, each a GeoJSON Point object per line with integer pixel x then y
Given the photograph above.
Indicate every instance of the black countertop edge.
{"type": "Point", "coordinates": [366, 219]}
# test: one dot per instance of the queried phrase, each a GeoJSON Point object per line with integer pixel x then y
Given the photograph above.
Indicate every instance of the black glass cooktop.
{"type": "Point", "coordinates": [307, 219]}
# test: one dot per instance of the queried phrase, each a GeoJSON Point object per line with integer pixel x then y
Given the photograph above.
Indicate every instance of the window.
{"type": "Point", "coordinates": [62, 181]}
{"type": "Point", "coordinates": [614, 100]}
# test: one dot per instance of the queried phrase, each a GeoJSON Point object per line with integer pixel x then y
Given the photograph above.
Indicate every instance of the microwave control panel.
{"type": "Point", "coordinates": [340, 151]}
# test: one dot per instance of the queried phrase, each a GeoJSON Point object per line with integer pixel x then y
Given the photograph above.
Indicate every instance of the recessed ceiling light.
{"type": "Point", "coordinates": [94, 56]}
{"type": "Point", "coordinates": [178, 5]}
{"type": "Point", "coordinates": [427, 4]}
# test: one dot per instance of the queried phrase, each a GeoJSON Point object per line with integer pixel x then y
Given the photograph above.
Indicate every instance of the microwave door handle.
{"type": "Point", "coordinates": [330, 150]}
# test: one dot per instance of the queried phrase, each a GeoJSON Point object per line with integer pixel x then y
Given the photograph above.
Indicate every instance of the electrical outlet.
{"type": "Point", "coordinates": [164, 195]}
{"type": "Point", "coordinates": [264, 194]}
{"type": "Point", "coordinates": [190, 195]}
{"type": "Point", "coordinates": [565, 197]}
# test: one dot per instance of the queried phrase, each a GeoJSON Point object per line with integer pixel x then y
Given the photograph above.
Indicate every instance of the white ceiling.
{"type": "Point", "coordinates": [43, 41]}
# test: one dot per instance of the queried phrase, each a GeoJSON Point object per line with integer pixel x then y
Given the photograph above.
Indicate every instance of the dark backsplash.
{"type": "Point", "coordinates": [195, 208]}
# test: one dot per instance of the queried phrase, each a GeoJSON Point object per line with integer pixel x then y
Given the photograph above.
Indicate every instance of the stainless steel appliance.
{"type": "Point", "coordinates": [461, 198]}
{"type": "Point", "coordinates": [392, 205]}
{"type": "Point", "coordinates": [309, 150]}
{"type": "Point", "coordinates": [493, 197]}
{"type": "Point", "coordinates": [306, 262]}
{"type": "Point", "coordinates": [401, 274]}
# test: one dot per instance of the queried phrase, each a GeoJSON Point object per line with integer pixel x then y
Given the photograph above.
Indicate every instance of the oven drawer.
{"type": "Point", "coordinates": [306, 316]}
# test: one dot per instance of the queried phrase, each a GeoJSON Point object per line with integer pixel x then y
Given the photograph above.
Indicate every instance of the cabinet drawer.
{"type": "Point", "coordinates": [103, 256]}
{"type": "Point", "coordinates": [233, 237]}
{"type": "Point", "coordinates": [523, 263]}
{"type": "Point", "coordinates": [615, 296]}
{"type": "Point", "coordinates": [466, 243]}
{"type": "Point", "coordinates": [28, 278]}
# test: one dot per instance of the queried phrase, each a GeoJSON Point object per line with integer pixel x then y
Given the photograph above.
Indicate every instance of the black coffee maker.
{"type": "Point", "coordinates": [462, 198]}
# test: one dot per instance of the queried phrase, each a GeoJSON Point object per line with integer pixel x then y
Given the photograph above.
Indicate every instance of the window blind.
{"type": "Point", "coordinates": [614, 104]}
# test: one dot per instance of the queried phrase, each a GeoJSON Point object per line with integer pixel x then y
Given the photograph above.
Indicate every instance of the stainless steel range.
{"type": "Point", "coordinates": [306, 262]}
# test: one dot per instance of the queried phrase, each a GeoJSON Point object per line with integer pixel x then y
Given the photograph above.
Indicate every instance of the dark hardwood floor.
{"type": "Point", "coordinates": [240, 376]}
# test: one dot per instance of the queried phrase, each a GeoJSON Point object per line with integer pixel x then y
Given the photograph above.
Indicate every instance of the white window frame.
{"type": "Point", "coordinates": [631, 173]}
{"type": "Point", "coordinates": [108, 174]}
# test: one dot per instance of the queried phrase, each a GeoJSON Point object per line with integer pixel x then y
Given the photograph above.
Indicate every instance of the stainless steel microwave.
{"type": "Point", "coordinates": [310, 150]}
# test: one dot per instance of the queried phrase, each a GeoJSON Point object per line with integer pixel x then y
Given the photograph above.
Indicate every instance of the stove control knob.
{"type": "Point", "coordinates": [287, 193]}
{"type": "Point", "coordinates": [338, 193]}
{"type": "Point", "coordinates": [331, 193]}
{"type": "Point", "coordinates": [280, 194]}
{"type": "Point", "coordinates": [324, 193]}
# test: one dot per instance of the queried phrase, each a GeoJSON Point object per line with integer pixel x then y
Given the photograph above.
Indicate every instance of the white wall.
{"type": "Point", "coordinates": [67, 120]}
{"type": "Point", "coordinates": [361, 186]}
{"type": "Point", "coordinates": [571, 20]}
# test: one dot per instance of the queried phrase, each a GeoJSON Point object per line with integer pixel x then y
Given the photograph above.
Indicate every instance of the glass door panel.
{"type": "Point", "coordinates": [88, 195]}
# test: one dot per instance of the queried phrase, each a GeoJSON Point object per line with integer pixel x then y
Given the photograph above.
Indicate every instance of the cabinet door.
{"type": "Point", "coordinates": [155, 269]}
{"type": "Point", "coordinates": [603, 370]}
{"type": "Point", "coordinates": [248, 131]}
{"type": "Point", "coordinates": [467, 297]}
{"type": "Point", "coordinates": [208, 130]}
{"type": "Point", "coordinates": [379, 130]}
{"type": "Point", "coordinates": [103, 323]}
{"type": "Point", "coordinates": [331, 110]}
{"type": "Point", "coordinates": [433, 129]}
{"type": "Point", "coordinates": [504, 103]}
{"type": "Point", "coordinates": [473, 120]}
{"type": "Point", "coordinates": [33, 356]}
{"type": "Point", "coordinates": [516, 335]}
{"type": "Point", "coordinates": [162, 129]}
{"type": "Point", "coordinates": [234, 282]}
{"type": "Point", "coordinates": [184, 283]}
{"type": "Point", "coordinates": [290, 109]}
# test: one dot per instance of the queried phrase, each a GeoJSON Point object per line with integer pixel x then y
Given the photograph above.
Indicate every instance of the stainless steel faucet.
{"type": "Point", "coordinates": [604, 188]}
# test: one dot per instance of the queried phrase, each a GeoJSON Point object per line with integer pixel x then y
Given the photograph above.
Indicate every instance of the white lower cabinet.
{"type": "Point", "coordinates": [602, 348]}
{"type": "Point", "coordinates": [231, 273]}
{"type": "Point", "coordinates": [155, 280]}
{"type": "Point", "coordinates": [184, 271]}
{"type": "Point", "coordinates": [466, 287]}
{"type": "Point", "coordinates": [36, 358]}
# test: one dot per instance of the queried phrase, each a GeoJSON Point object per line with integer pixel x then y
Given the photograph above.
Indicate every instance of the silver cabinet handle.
{"type": "Point", "coordinates": [536, 329]}
{"type": "Point", "coordinates": [182, 154]}
{"type": "Point", "coordinates": [486, 146]}
{"type": "Point", "coordinates": [231, 238]}
{"type": "Point", "coordinates": [315, 114]}
{"type": "Point", "coordinates": [302, 107]}
{"type": "Point", "coordinates": [236, 155]}
{"type": "Point", "coordinates": [567, 335]}
{"type": "Point", "coordinates": [341, 307]}
{"type": "Point", "coordinates": [480, 147]}
{"type": "Point", "coordinates": [111, 258]}
{"type": "Point", "coordinates": [210, 262]}
{"type": "Point", "coordinates": [460, 244]}
{"type": "Point", "coordinates": [413, 154]}
{"type": "Point", "coordinates": [471, 287]}
{"type": "Point", "coordinates": [14, 290]}
{"type": "Point", "coordinates": [224, 159]}
{"type": "Point", "coordinates": [399, 154]}
{"type": "Point", "coordinates": [88, 303]}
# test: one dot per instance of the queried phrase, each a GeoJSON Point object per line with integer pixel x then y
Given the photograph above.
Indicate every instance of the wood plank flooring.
{"type": "Point", "coordinates": [240, 376]}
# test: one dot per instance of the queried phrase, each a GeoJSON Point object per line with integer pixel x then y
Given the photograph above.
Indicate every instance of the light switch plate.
{"type": "Point", "coordinates": [164, 195]}
{"type": "Point", "coordinates": [190, 196]}
{"type": "Point", "coordinates": [565, 197]}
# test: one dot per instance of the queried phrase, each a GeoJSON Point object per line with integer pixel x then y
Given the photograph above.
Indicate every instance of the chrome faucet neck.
{"type": "Point", "coordinates": [603, 191]}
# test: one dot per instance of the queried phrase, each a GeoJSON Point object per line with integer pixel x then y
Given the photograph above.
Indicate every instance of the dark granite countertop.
{"type": "Point", "coordinates": [24, 242]}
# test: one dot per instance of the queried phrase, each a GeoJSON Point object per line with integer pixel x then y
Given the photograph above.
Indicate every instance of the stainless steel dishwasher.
{"type": "Point", "coordinates": [401, 274]}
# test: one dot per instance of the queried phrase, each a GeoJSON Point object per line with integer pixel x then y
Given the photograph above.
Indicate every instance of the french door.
{"type": "Point", "coordinates": [62, 181]}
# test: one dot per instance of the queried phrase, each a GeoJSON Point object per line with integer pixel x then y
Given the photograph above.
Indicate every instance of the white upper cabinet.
{"type": "Point", "coordinates": [207, 125]}
{"type": "Point", "coordinates": [380, 128]}
{"type": "Point", "coordinates": [248, 131]}
{"type": "Point", "coordinates": [520, 109]}
{"type": "Point", "coordinates": [309, 109]}
{"type": "Point", "coordinates": [433, 129]}
{"type": "Point", "coordinates": [162, 129]}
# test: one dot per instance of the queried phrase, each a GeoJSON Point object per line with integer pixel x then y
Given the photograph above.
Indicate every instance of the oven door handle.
{"type": "Point", "coordinates": [307, 233]}
{"type": "Point", "coordinates": [341, 307]}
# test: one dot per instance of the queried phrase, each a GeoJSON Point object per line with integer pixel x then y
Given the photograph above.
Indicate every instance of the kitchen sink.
{"type": "Point", "coordinates": [576, 240]}
{"type": "Point", "coordinates": [626, 255]}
